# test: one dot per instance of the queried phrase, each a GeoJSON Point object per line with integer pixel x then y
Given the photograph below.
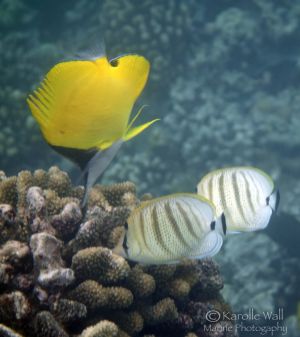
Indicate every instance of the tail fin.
{"type": "Point", "coordinates": [273, 200]}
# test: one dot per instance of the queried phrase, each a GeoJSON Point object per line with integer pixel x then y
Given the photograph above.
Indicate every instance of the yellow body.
{"type": "Point", "coordinates": [87, 104]}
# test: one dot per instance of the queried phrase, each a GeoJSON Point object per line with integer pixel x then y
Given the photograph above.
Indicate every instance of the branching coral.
{"type": "Point", "coordinates": [67, 222]}
{"type": "Point", "coordinates": [51, 187]}
{"type": "Point", "coordinates": [91, 294]}
{"type": "Point", "coordinates": [132, 322]}
{"type": "Point", "coordinates": [140, 283]}
{"type": "Point", "coordinates": [48, 262]}
{"type": "Point", "coordinates": [163, 311]}
{"type": "Point", "coordinates": [99, 264]}
{"type": "Point", "coordinates": [45, 325]}
{"type": "Point", "coordinates": [14, 306]}
{"type": "Point", "coordinates": [101, 329]}
{"type": "Point", "coordinates": [56, 267]}
{"type": "Point", "coordinates": [67, 311]}
{"type": "Point", "coordinates": [8, 192]}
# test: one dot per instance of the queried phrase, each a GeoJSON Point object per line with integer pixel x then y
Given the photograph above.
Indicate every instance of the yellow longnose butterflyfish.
{"type": "Point", "coordinates": [83, 109]}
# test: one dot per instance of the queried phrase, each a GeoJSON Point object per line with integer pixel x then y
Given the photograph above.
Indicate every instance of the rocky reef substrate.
{"type": "Point", "coordinates": [59, 277]}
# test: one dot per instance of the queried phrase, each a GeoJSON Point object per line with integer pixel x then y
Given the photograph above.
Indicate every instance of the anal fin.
{"type": "Point", "coordinates": [97, 165]}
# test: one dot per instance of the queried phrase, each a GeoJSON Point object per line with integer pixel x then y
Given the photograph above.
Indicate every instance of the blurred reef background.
{"type": "Point", "coordinates": [225, 83]}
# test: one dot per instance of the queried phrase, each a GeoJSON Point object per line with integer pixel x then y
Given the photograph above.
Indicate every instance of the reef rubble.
{"type": "Point", "coordinates": [59, 276]}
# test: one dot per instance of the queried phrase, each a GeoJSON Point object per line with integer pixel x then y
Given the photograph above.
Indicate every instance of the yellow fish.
{"type": "Point", "coordinates": [83, 109]}
{"type": "Point", "coordinates": [171, 228]}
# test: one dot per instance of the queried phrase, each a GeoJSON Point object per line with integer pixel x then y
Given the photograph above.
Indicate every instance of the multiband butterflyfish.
{"type": "Point", "coordinates": [246, 195]}
{"type": "Point", "coordinates": [171, 228]}
{"type": "Point", "coordinates": [83, 109]}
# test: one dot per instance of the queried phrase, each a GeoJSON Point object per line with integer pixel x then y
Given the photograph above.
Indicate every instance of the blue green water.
{"type": "Point", "coordinates": [225, 84]}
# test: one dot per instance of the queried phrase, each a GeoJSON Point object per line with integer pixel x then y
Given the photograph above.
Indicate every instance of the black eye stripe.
{"type": "Point", "coordinates": [213, 226]}
{"type": "Point", "coordinates": [224, 225]}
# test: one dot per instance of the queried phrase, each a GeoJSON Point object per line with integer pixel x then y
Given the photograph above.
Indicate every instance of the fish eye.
{"type": "Point", "coordinates": [114, 62]}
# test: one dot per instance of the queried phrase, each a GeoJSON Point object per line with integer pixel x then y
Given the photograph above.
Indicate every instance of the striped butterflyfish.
{"type": "Point", "coordinates": [171, 228]}
{"type": "Point", "coordinates": [83, 109]}
{"type": "Point", "coordinates": [245, 195]}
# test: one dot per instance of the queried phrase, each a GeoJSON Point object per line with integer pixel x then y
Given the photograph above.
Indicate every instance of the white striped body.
{"type": "Point", "coordinates": [243, 194]}
{"type": "Point", "coordinates": [170, 228]}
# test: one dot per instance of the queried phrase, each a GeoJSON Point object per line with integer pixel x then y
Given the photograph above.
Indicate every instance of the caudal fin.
{"type": "Point", "coordinates": [273, 200]}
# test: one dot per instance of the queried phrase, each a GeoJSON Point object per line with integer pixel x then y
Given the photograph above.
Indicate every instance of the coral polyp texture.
{"type": "Point", "coordinates": [59, 276]}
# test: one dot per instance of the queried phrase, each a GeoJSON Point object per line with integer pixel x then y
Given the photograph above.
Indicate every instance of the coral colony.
{"type": "Point", "coordinates": [58, 276]}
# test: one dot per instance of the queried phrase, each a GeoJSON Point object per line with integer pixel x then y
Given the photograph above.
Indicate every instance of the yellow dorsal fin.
{"type": "Point", "coordinates": [61, 85]}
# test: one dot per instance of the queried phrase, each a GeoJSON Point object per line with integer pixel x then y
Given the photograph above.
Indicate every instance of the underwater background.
{"type": "Point", "coordinates": [225, 82]}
